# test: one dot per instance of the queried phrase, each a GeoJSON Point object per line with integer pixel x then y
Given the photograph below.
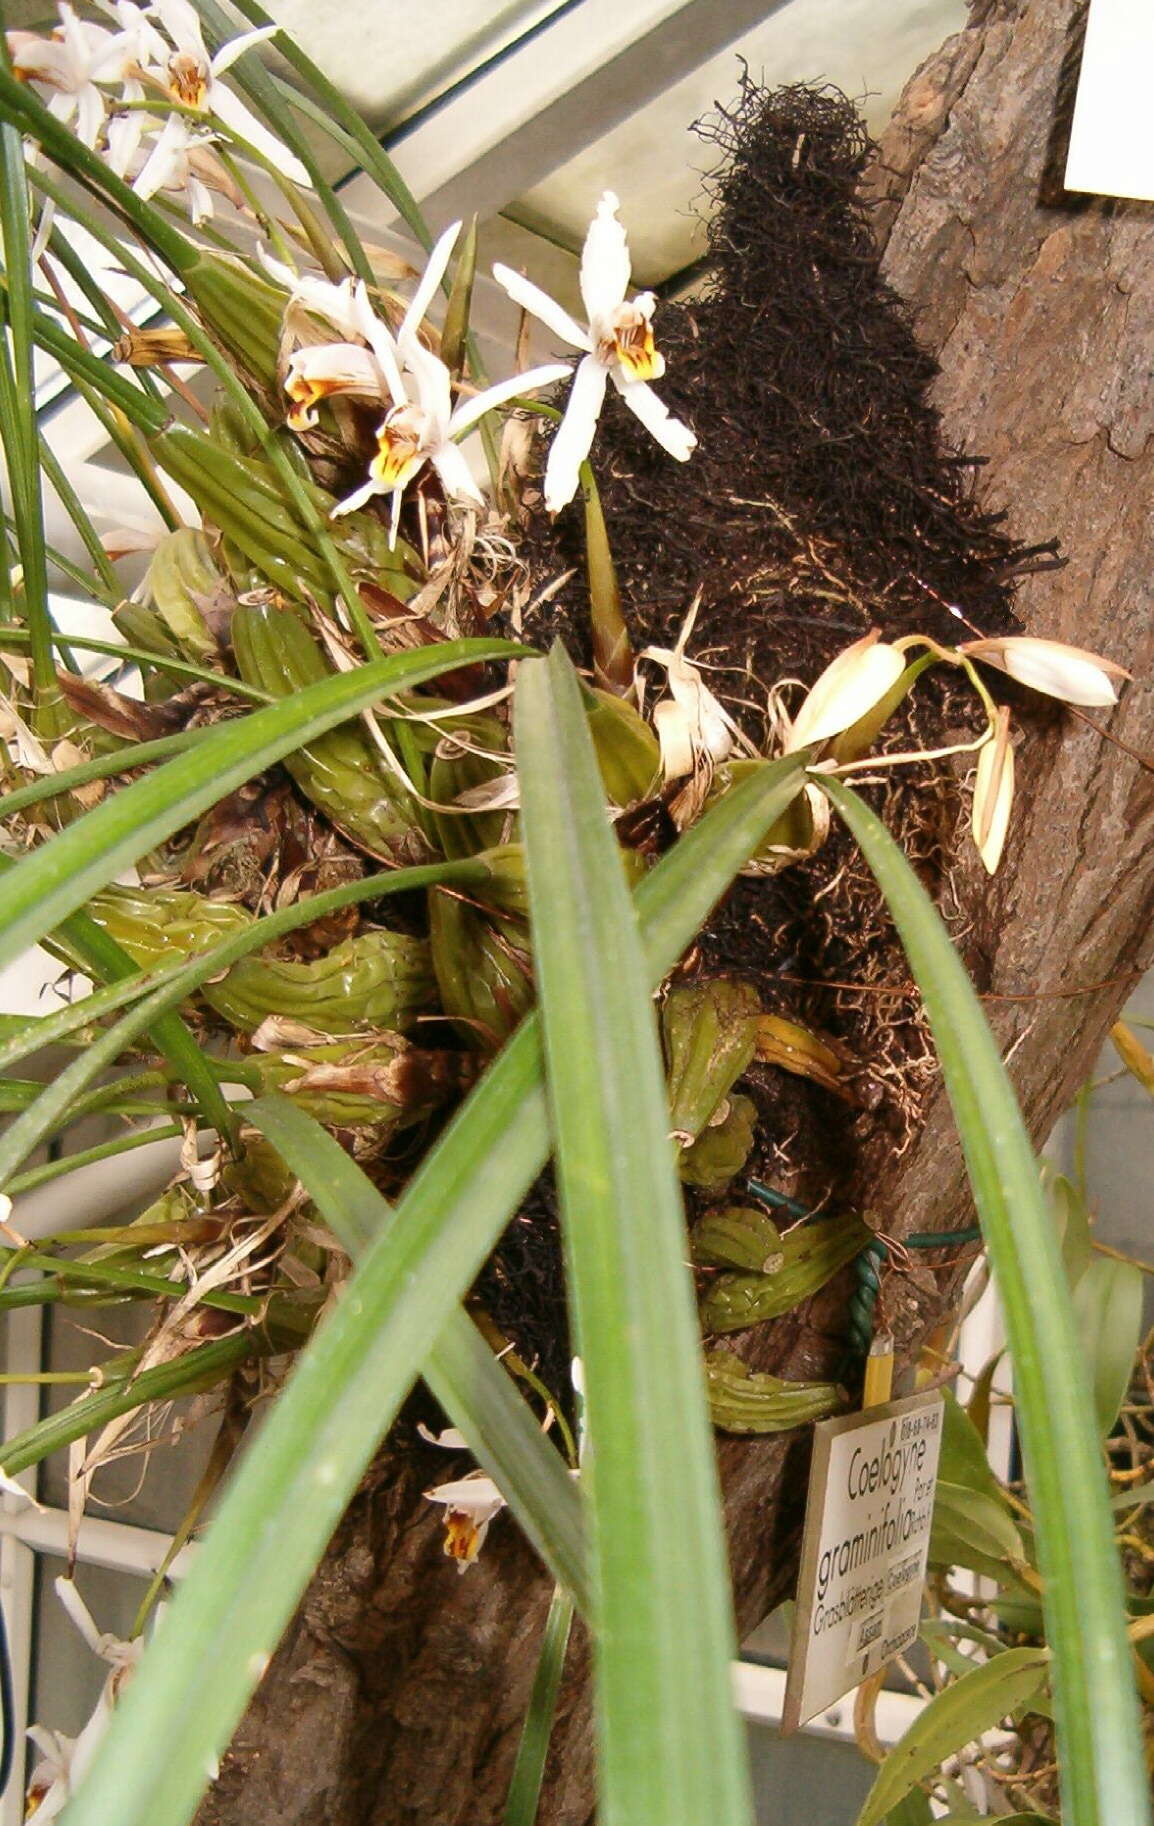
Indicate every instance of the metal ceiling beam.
{"type": "Point", "coordinates": [551, 96]}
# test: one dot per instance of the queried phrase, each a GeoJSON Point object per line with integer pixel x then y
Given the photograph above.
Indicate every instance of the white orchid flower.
{"type": "Point", "coordinates": [172, 165]}
{"type": "Point", "coordinates": [70, 64]}
{"type": "Point", "coordinates": [327, 369]}
{"type": "Point", "coordinates": [618, 341]}
{"type": "Point", "coordinates": [422, 425]}
{"type": "Point", "coordinates": [470, 1504]}
{"type": "Point", "coordinates": [65, 1760]}
{"type": "Point", "coordinates": [1052, 667]}
{"type": "Point", "coordinates": [345, 307]}
{"type": "Point", "coordinates": [77, 59]}
{"type": "Point", "coordinates": [192, 78]}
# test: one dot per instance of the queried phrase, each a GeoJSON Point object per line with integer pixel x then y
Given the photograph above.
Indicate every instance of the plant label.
{"type": "Point", "coordinates": [863, 1559]}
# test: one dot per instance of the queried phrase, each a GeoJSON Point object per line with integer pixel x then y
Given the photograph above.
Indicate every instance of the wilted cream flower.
{"type": "Point", "coordinates": [694, 729]}
{"type": "Point", "coordinates": [1050, 666]}
{"type": "Point", "coordinates": [852, 685]}
{"type": "Point", "coordinates": [993, 793]}
{"type": "Point", "coordinates": [470, 1505]}
{"type": "Point", "coordinates": [619, 347]}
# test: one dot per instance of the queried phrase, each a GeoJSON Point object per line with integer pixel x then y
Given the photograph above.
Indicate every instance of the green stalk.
{"type": "Point", "coordinates": [1104, 1780]}
{"type": "Point", "coordinates": [18, 430]}
{"type": "Point", "coordinates": [670, 1744]}
{"type": "Point", "coordinates": [89, 537]}
{"type": "Point", "coordinates": [106, 1150]}
{"type": "Point", "coordinates": [200, 1368]}
{"type": "Point", "coordinates": [262, 88]}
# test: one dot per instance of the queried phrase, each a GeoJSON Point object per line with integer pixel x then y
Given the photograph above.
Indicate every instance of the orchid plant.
{"type": "Point", "coordinates": [299, 713]}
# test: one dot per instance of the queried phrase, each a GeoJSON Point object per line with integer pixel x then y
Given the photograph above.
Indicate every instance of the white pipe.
{"type": "Point", "coordinates": [115, 1545]}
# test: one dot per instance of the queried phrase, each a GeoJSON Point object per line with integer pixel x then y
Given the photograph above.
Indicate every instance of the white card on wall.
{"type": "Point", "coordinates": [1112, 136]}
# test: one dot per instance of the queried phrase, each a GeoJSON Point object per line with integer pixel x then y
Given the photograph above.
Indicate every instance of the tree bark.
{"type": "Point", "coordinates": [398, 1692]}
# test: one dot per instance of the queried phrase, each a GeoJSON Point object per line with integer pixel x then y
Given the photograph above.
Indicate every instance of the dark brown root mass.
{"type": "Point", "coordinates": [820, 503]}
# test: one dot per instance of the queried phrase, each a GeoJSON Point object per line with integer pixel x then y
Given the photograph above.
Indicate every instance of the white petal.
{"type": "Point", "coordinates": [574, 436]}
{"type": "Point", "coordinates": [228, 107]}
{"type": "Point", "coordinates": [236, 47]}
{"type": "Point", "coordinates": [345, 363]}
{"type": "Point", "coordinates": [385, 349]}
{"type": "Point", "coordinates": [182, 24]}
{"type": "Point", "coordinates": [670, 433]}
{"type": "Point", "coordinates": [449, 1437]}
{"type": "Point", "coordinates": [357, 499]}
{"type": "Point", "coordinates": [166, 162]}
{"type": "Point", "coordinates": [531, 298]}
{"type": "Point", "coordinates": [125, 133]}
{"type": "Point", "coordinates": [471, 410]}
{"type": "Point", "coordinates": [89, 114]}
{"type": "Point", "coordinates": [476, 1495]}
{"type": "Point", "coordinates": [433, 383]}
{"type": "Point", "coordinates": [604, 262]}
{"type": "Point", "coordinates": [430, 279]}
{"type": "Point", "coordinates": [453, 469]}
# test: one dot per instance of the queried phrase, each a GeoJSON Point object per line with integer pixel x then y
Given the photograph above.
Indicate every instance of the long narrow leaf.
{"type": "Point", "coordinates": [48, 885]}
{"type": "Point", "coordinates": [528, 1771]}
{"type": "Point", "coordinates": [18, 409]}
{"type": "Point", "coordinates": [294, 1483]}
{"type": "Point", "coordinates": [1104, 1781]}
{"type": "Point", "coordinates": [955, 1717]}
{"type": "Point", "coordinates": [671, 1746]}
{"type": "Point", "coordinates": [461, 1370]}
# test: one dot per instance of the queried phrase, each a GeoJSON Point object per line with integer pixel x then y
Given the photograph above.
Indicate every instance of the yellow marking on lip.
{"type": "Point", "coordinates": [188, 79]}
{"type": "Point", "coordinates": [400, 451]}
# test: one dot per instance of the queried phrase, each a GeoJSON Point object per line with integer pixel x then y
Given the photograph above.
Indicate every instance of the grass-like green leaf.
{"type": "Point", "coordinates": [293, 1485]}
{"type": "Point", "coordinates": [953, 1718]}
{"type": "Point", "coordinates": [671, 1747]}
{"type": "Point", "coordinates": [529, 1769]}
{"type": "Point", "coordinates": [51, 882]}
{"type": "Point", "coordinates": [1104, 1780]}
{"type": "Point", "coordinates": [18, 432]}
